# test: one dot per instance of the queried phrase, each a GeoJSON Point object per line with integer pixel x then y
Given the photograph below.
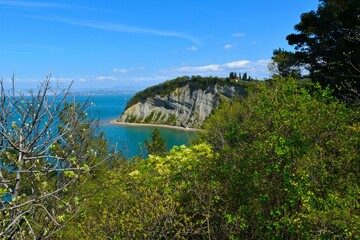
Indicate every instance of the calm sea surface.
{"type": "Point", "coordinates": [129, 138]}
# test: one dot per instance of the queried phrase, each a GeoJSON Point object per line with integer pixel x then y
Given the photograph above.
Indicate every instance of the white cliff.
{"type": "Point", "coordinates": [185, 106]}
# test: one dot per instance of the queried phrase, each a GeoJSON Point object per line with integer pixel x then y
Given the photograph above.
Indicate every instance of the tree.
{"type": "Point", "coordinates": [48, 147]}
{"type": "Point", "coordinates": [284, 63]}
{"type": "Point", "coordinates": [245, 77]}
{"type": "Point", "coordinates": [232, 75]}
{"type": "Point", "coordinates": [290, 163]}
{"type": "Point", "coordinates": [324, 45]}
{"type": "Point", "coordinates": [157, 145]}
{"type": "Point", "coordinates": [352, 93]}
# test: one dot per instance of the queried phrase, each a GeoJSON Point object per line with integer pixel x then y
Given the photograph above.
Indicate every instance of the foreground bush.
{"type": "Point", "coordinates": [172, 196]}
{"type": "Point", "coordinates": [290, 162]}
{"type": "Point", "coordinates": [281, 164]}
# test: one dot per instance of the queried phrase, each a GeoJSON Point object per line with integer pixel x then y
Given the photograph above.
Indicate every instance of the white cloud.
{"type": "Point", "coordinates": [60, 79]}
{"type": "Point", "coordinates": [238, 34]}
{"type": "Point", "coordinates": [237, 64]}
{"type": "Point", "coordinates": [256, 69]}
{"type": "Point", "coordinates": [31, 4]}
{"type": "Point", "coordinates": [106, 26]}
{"type": "Point", "coordinates": [127, 70]}
{"type": "Point", "coordinates": [37, 46]}
{"type": "Point", "coordinates": [156, 79]}
{"type": "Point", "coordinates": [106, 78]}
{"type": "Point", "coordinates": [264, 61]}
{"type": "Point", "coordinates": [206, 68]}
{"type": "Point", "coordinates": [228, 46]}
{"type": "Point", "coordinates": [193, 48]}
{"type": "Point", "coordinates": [115, 27]}
{"type": "Point", "coordinates": [122, 70]}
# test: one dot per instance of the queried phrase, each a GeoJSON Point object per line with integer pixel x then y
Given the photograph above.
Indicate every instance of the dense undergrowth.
{"type": "Point", "coordinates": [281, 164]}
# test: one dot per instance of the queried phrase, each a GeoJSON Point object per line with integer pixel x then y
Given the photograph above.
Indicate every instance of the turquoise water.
{"type": "Point", "coordinates": [129, 139]}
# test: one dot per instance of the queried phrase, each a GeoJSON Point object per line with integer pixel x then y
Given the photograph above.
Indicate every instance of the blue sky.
{"type": "Point", "coordinates": [133, 44]}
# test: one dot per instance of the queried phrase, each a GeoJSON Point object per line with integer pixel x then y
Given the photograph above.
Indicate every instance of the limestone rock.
{"type": "Point", "coordinates": [185, 106]}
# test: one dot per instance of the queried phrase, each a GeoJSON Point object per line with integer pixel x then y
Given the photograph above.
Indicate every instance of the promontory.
{"type": "Point", "coordinates": [185, 101]}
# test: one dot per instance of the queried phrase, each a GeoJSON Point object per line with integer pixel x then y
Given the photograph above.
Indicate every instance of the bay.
{"type": "Point", "coordinates": [129, 139]}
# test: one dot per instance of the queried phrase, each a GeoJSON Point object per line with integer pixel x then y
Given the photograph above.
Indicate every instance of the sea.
{"type": "Point", "coordinates": [129, 139]}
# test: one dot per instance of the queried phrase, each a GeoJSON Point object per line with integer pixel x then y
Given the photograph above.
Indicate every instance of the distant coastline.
{"type": "Point", "coordinates": [153, 125]}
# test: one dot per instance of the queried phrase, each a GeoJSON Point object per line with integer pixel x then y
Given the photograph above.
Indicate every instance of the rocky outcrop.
{"type": "Point", "coordinates": [186, 106]}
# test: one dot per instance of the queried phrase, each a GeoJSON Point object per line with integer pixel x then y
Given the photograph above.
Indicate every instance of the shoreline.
{"type": "Point", "coordinates": [153, 125]}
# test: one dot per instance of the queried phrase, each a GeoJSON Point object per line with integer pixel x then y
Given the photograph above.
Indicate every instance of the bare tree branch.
{"type": "Point", "coordinates": [46, 151]}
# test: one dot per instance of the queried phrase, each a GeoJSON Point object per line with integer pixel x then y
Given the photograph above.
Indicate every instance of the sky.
{"type": "Point", "coordinates": [134, 44]}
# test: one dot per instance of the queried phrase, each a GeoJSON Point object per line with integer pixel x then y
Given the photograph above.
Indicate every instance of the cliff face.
{"type": "Point", "coordinates": [185, 106]}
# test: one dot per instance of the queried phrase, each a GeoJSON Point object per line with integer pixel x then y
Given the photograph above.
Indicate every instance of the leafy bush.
{"type": "Point", "coordinates": [290, 162]}
{"type": "Point", "coordinates": [167, 197]}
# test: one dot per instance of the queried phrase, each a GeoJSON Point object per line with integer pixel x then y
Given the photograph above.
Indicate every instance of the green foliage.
{"type": "Point", "coordinates": [285, 64]}
{"type": "Point", "coordinates": [171, 120]}
{"type": "Point", "coordinates": [157, 145]}
{"type": "Point", "coordinates": [131, 118]}
{"type": "Point", "coordinates": [328, 42]}
{"type": "Point", "coordinates": [149, 117]}
{"type": "Point", "coordinates": [232, 75]}
{"type": "Point", "coordinates": [280, 164]}
{"type": "Point", "coordinates": [290, 163]}
{"type": "Point", "coordinates": [245, 77]}
{"type": "Point", "coordinates": [175, 196]}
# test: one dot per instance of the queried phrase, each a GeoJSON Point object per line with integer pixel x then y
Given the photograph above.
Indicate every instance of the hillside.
{"type": "Point", "coordinates": [184, 101]}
